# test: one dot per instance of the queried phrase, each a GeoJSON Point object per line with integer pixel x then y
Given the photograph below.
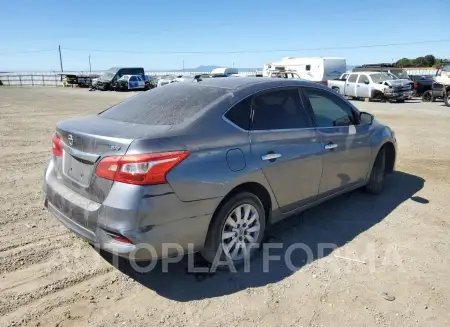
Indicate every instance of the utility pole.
{"type": "Point", "coordinates": [183, 65]}
{"type": "Point", "coordinates": [90, 70]}
{"type": "Point", "coordinates": [60, 58]}
{"type": "Point", "coordinates": [233, 64]}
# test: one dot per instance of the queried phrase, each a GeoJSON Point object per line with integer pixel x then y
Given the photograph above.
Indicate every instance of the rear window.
{"type": "Point", "coordinates": [168, 105]}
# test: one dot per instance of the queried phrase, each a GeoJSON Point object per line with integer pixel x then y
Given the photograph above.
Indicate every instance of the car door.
{"type": "Point", "coordinates": [363, 86]}
{"type": "Point", "coordinates": [132, 82]}
{"type": "Point", "coordinates": [286, 146]}
{"type": "Point", "coordinates": [350, 85]}
{"type": "Point", "coordinates": [140, 82]}
{"type": "Point", "coordinates": [345, 141]}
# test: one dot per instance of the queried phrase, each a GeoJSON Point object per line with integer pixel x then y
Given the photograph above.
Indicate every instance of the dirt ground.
{"type": "Point", "coordinates": [49, 277]}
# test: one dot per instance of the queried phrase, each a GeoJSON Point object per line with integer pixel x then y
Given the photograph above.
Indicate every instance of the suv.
{"type": "Point", "coordinates": [385, 68]}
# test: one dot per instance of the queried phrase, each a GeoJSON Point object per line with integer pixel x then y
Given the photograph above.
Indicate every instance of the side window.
{"type": "Point", "coordinates": [363, 79]}
{"type": "Point", "coordinates": [329, 110]}
{"type": "Point", "coordinates": [279, 109]}
{"type": "Point", "coordinates": [352, 78]}
{"type": "Point", "coordinates": [240, 114]}
{"type": "Point", "coordinates": [133, 79]}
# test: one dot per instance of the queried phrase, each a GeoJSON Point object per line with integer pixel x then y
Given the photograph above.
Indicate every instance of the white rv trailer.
{"type": "Point", "coordinates": [315, 69]}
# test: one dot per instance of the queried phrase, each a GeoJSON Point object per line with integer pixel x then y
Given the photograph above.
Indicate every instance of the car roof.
{"type": "Point", "coordinates": [234, 84]}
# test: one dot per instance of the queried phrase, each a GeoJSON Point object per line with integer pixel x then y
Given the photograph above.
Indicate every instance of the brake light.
{"type": "Point", "coordinates": [140, 169]}
{"type": "Point", "coordinates": [415, 85]}
{"type": "Point", "coordinates": [56, 145]}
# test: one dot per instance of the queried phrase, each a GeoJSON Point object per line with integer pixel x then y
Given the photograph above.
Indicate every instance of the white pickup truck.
{"type": "Point", "coordinates": [373, 85]}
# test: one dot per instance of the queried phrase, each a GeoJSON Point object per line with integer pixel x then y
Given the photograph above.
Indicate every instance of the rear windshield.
{"type": "Point", "coordinates": [166, 105]}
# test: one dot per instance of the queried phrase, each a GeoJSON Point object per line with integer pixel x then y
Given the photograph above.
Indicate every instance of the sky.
{"type": "Point", "coordinates": [161, 35]}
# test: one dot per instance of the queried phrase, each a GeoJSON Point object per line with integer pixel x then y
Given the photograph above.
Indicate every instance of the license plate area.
{"type": "Point", "coordinates": [78, 170]}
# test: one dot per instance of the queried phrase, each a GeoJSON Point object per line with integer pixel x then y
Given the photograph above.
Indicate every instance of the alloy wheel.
{"type": "Point", "coordinates": [240, 230]}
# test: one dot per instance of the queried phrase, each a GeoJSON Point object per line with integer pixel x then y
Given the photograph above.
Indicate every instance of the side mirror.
{"type": "Point", "coordinates": [366, 82]}
{"type": "Point", "coordinates": [366, 118]}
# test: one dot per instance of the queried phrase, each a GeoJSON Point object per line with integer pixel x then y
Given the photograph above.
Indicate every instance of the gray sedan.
{"type": "Point", "coordinates": [210, 165]}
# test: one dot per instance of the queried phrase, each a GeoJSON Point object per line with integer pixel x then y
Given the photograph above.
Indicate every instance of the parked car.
{"type": "Point", "coordinates": [372, 85]}
{"type": "Point", "coordinates": [107, 81]}
{"type": "Point", "coordinates": [383, 68]}
{"type": "Point", "coordinates": [130, 82]}
{"type": "Point", "coordinates": [283, 74]}
{"type": "Point", "coordinates": [212, 164]}
{"type": "Point", "coordinates": [421, 84]}
{"type": "Point", "coordinates": [166, 79]}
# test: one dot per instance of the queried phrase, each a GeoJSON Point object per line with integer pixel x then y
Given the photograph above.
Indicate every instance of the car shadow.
{"type": "Point", "coordinates": [336, 222]}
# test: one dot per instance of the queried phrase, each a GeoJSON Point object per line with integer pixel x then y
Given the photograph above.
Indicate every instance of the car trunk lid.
{"type": "Point", "coordinates": [85, 141]}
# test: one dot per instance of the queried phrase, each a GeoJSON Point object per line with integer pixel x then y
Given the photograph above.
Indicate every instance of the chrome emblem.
{"type": "Point", "coordinates": [70, 139]}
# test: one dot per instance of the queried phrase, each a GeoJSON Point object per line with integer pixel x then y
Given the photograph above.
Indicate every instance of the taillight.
{"type": "Point", "coordinates": [57, 146]}
{"type": "Point", "coordinates": [141, 169]}
{"type": "Point", "coordinates": [415, 85]}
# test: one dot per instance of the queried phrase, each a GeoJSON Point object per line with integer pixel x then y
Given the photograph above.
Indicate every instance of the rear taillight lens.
{"type": "Point", "coordinates": [57, 146]}
{"type": "Point", "coordinates": [415, 85]}
{"type": "Point", "coordinates": [141, 169]}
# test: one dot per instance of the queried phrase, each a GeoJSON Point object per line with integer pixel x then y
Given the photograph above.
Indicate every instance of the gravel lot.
{"type": "Point", "coordinates": [49, 277]}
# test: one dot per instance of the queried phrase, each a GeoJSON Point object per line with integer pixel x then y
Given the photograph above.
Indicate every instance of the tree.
{"type": "Point", "coordinates": [419, 62]}
{"type": "Point", "coordinates": [404, 62]}
{"type": "Point", "coordinates": [429, 60]}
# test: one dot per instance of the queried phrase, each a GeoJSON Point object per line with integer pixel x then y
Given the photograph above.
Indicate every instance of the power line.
{"type": "Point", "coordinates": [233, 52]}
{"type": "Point", "coordinates": [28, 51]}
{"type": "Point", "coordinates": [261, 51]}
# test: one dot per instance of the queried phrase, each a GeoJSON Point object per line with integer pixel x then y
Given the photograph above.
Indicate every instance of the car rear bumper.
{"type": "Point", "coordinates": [157, 223]}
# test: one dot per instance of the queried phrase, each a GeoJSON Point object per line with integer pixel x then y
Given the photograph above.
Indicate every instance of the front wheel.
{"type": "Point", "coordinates": [236, 231]}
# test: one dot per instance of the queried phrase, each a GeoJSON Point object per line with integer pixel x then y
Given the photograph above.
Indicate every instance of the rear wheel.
{"type": "Point", "coordinates": [237, 229]}
{"type": "Point", "coordinates": [378, 174]}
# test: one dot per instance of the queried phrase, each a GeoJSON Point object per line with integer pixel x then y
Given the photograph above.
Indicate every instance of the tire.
{"type": "Point", "coordinates": [447, 99]}
{"type": "Point", "coordinates": [401, 101]}
{"type": "Point", "coordinates": [427, 96]}
{"type": "Point", "coordinates": [220, 225]}
{"type": "Point", "coordinates": [378, 174]}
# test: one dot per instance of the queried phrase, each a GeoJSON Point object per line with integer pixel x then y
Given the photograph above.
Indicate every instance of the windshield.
{"type": "Point", "coordinates": [446, 68]}
{"type": "Point", "coordinates": [400, 73]}
{"type": "Point", "coordinates": [107, 76]}
{"type": "Point", "coordinates": [381, 77]}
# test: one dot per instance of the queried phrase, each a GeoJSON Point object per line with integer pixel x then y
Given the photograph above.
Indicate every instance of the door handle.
{"type": "Point", "coordinates": [271, 156]}
{"type": "Point", "coordinates": [358, 85]}
{"type": "Point", "coordinates": [331, 146]}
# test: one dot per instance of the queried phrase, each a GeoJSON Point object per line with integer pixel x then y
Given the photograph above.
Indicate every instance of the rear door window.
{"type": "Point", "coordinates": [279, 109]}
{"type": "Point", "coordinates": [352, 78]}
{"type": "Point", "coordinates": [168, 105]}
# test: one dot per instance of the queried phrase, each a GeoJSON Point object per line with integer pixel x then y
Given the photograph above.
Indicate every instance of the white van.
{"type": "Point", "coordinates": [315, 69]}
{"type": "Point", "coordinates": [224, 71]}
